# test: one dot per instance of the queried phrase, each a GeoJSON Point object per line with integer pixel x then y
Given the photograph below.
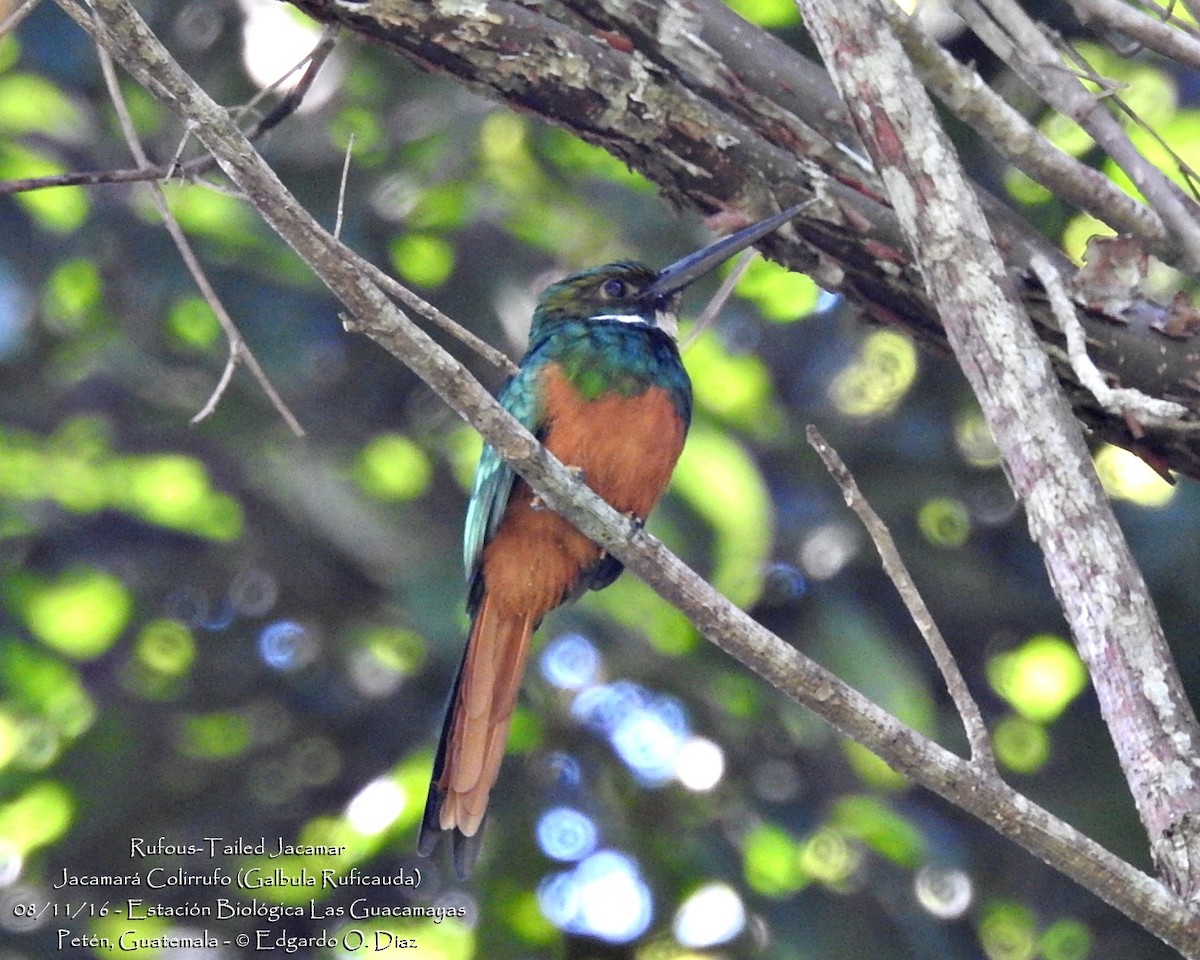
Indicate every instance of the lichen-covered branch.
{"type": "Point", "coordinates": [717, 114]}
{"type": "Point", "coordinates": [1092, 570]}
{"type": "Point", "coordinates": [1143, 899]}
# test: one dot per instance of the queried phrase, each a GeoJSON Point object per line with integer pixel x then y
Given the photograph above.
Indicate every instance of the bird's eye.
{"type": "Point", "coordinates": [614, 289]}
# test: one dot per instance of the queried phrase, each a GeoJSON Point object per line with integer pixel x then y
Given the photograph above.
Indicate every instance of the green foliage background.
{"type": "Point", "coordinates": [223, 630]}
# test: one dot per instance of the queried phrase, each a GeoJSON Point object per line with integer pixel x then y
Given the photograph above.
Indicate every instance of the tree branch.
{"type": "Point", "coordinates": [1011, 35]}
{"type": "Point", "coordinates": [1170, 37]}
{"type": "Point", "coordinates": [897, 572]}
{"type": "Point", "coordinates": [962, 90]}
{"type": "Point", "coordinates": [718, 117]}
{"type": "Point", "coordinates": [192, 170]}
{"type": "Point", "coordinates": [1140, 897]}
{"type": "Point", "coordinates": [1093, 573]}
{"type": "Point", "coordinates": [239, 352]}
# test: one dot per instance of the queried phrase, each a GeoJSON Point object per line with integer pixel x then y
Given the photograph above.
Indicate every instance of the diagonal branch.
{"type": "Point", "coordinates": [897, 572]}
{"type": "Point", "coordinates": [239, 352]}
{"type": "Point", "coordinates": [1131, 891]}
{"type": "Point", "coordinates": [192, 169]}
{"type": "Point", "coordinates": [1030, 151]}
{"type": "Point", "coordinates": [1009, 32]}
{"type": "Point", "coordinates": [1092, 570]}
{"type": "Point", "coordinates": [717, 114]}
{"type": "Point", "coordinates": [1170, 37]}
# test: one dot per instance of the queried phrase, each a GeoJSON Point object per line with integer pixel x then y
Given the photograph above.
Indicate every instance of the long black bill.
{"type": "Point", "coordinates": [695, 265]}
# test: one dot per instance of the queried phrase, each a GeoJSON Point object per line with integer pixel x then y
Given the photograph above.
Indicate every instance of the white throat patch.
{"type": "Point", "coordinates": [664, 320]}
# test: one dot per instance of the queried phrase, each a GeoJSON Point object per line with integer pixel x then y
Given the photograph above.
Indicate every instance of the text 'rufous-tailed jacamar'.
{"type": "Point", "coordinates": [602, 386]}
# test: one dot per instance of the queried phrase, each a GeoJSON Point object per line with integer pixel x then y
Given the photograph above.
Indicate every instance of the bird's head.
{"type": "Point", "coordinates": [630, 292]}
{"type": "Point", "coordinates": [619, 292]}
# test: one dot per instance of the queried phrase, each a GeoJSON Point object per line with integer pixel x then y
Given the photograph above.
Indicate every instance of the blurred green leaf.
{"type": "Point", "coordinates": [1024, 189]}
{"type": "Point", "coordinates": [735, 387]}
{"type": "Point", "coordinates": [392, 467]}
{"type": "Point", "coordinates": [944, 521]}
{"type": "Point", "coordinates": [1066, 134]}
{"type": "Point", "coordinates": [57, 209]}
{"type": "Point", "coordinates": [32, 104]}
{"type": "Point", "coordinates": [828, 856]}
{"type": "Point", "coordinates": [719, 480]}
{"type": "Point", "coordinates": [192, 323]}
{"type": "Point", "coordinates": [1127, 476]}
{"type": "Point", "coordinates": [423, 259]}
{"type": "Point", "coordinates": [37, 817]}
{"type": "Point", "coordinates": [40, 683]}
{"type": "Point", "coordinates": [438, 208]}
{"type": "Point", "coordinates": [779, 294]}
{"type": "Point", "coordinates": [771, 14]}
{"type": "Point", "coordinates": [739, 695]}
{"type": "Point", "coordinates": [1007, 931]}
{"type": "Point", "coordinates": [364, 126]}
{"type": "Point", "coordinates": [583, 159]}
{"type": "Point", "coordinates": [881, 828]}
{"type": "Point", "coordinates": [204, 212]}
{"type": "Point", "coordinates": [166, 647]}
{"type": "Point", "coordinates": [1021, 745]}
{"type": "Point", "coordinates": [75, 469]}
{"type": "Point", "coordinates": [1040, 678]}
{"type": "Point", "coordinates": [871, 770]}
{"type": "Point", "coordinates": [220, 735]}
{"type": "Point", "coordinates": [771, 862]}
{"type": "Point", "coordinates": [878, 378]}
{"type": "Point", "coordinates": [10, 51]}
{"type": "Point", "coordinates": [1066, 940]}
{"type": "Point", "coordinates": [173, 490]}
{"type": "Point", "coordinates": [631, 603]}
{"type": "Point", "coordinates": [80, 614]}
{"type": "Point", "coordinates": [72, 295]}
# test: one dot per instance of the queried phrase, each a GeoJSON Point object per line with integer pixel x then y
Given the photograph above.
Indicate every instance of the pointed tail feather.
{"type": "Point", "coordinates": [475, 731]}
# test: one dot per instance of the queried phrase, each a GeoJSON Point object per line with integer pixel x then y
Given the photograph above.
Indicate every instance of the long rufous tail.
{"type": "Point", "coordinates": [475, 730]}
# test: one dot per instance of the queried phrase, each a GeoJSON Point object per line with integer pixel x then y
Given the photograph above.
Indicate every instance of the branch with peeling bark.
{"type": "Point", "coordinates": [1014, 37]}
{"type": "Point", "coordinates": [1092, 570]}
{"type": "Point", "coordinates": [716, 112]}
{"type": "Point", "coordinates": [972, 786]}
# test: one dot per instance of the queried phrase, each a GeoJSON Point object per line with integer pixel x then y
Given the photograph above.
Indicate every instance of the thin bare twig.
{"type": "Point", "coordinates": [1169, 39]}
{"type": "Point", "coordinates": [1011, 35]}
{"type": "Point", "coordinates": [197, 167]}
{"type": "Point", "coordinates": [200, 165]}
{"type": "Point", "coordinates": [719, 299]}
{"type": "Point", "coordinates": [1150, 411]}
{"type": "Point", "coordinates": [13, 20]}
{"type": "Point", "coordinates": [341, 196]}
{"type": "Point", "coordinates": [214, 398]}
{"type": "Point", "coordinates": [962, 90]}
{"type": "Point", "coordinates": [1112, 95]}
{"type": "Point", "coordinates": [238, 351]}
{"type": "Point", "coordinates": [82, 178]}
{"type": "Point", "coordinates": [401, 294]}
{"type": "Point", "coordinates": [893, 565]}
{"type": "Point", "coordinates": [315, 59]}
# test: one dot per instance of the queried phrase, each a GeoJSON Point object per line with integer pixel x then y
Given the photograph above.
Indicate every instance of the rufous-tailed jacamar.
{"type": "Point", "coordinates": [602, 386]}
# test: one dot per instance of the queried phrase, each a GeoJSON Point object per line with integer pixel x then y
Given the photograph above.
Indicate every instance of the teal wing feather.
{"type": "Point", "coordinates": [494, 478]}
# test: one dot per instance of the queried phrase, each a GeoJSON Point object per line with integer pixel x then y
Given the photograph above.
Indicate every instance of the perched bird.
{"type": "Point", "coordinates": [602, 386]}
